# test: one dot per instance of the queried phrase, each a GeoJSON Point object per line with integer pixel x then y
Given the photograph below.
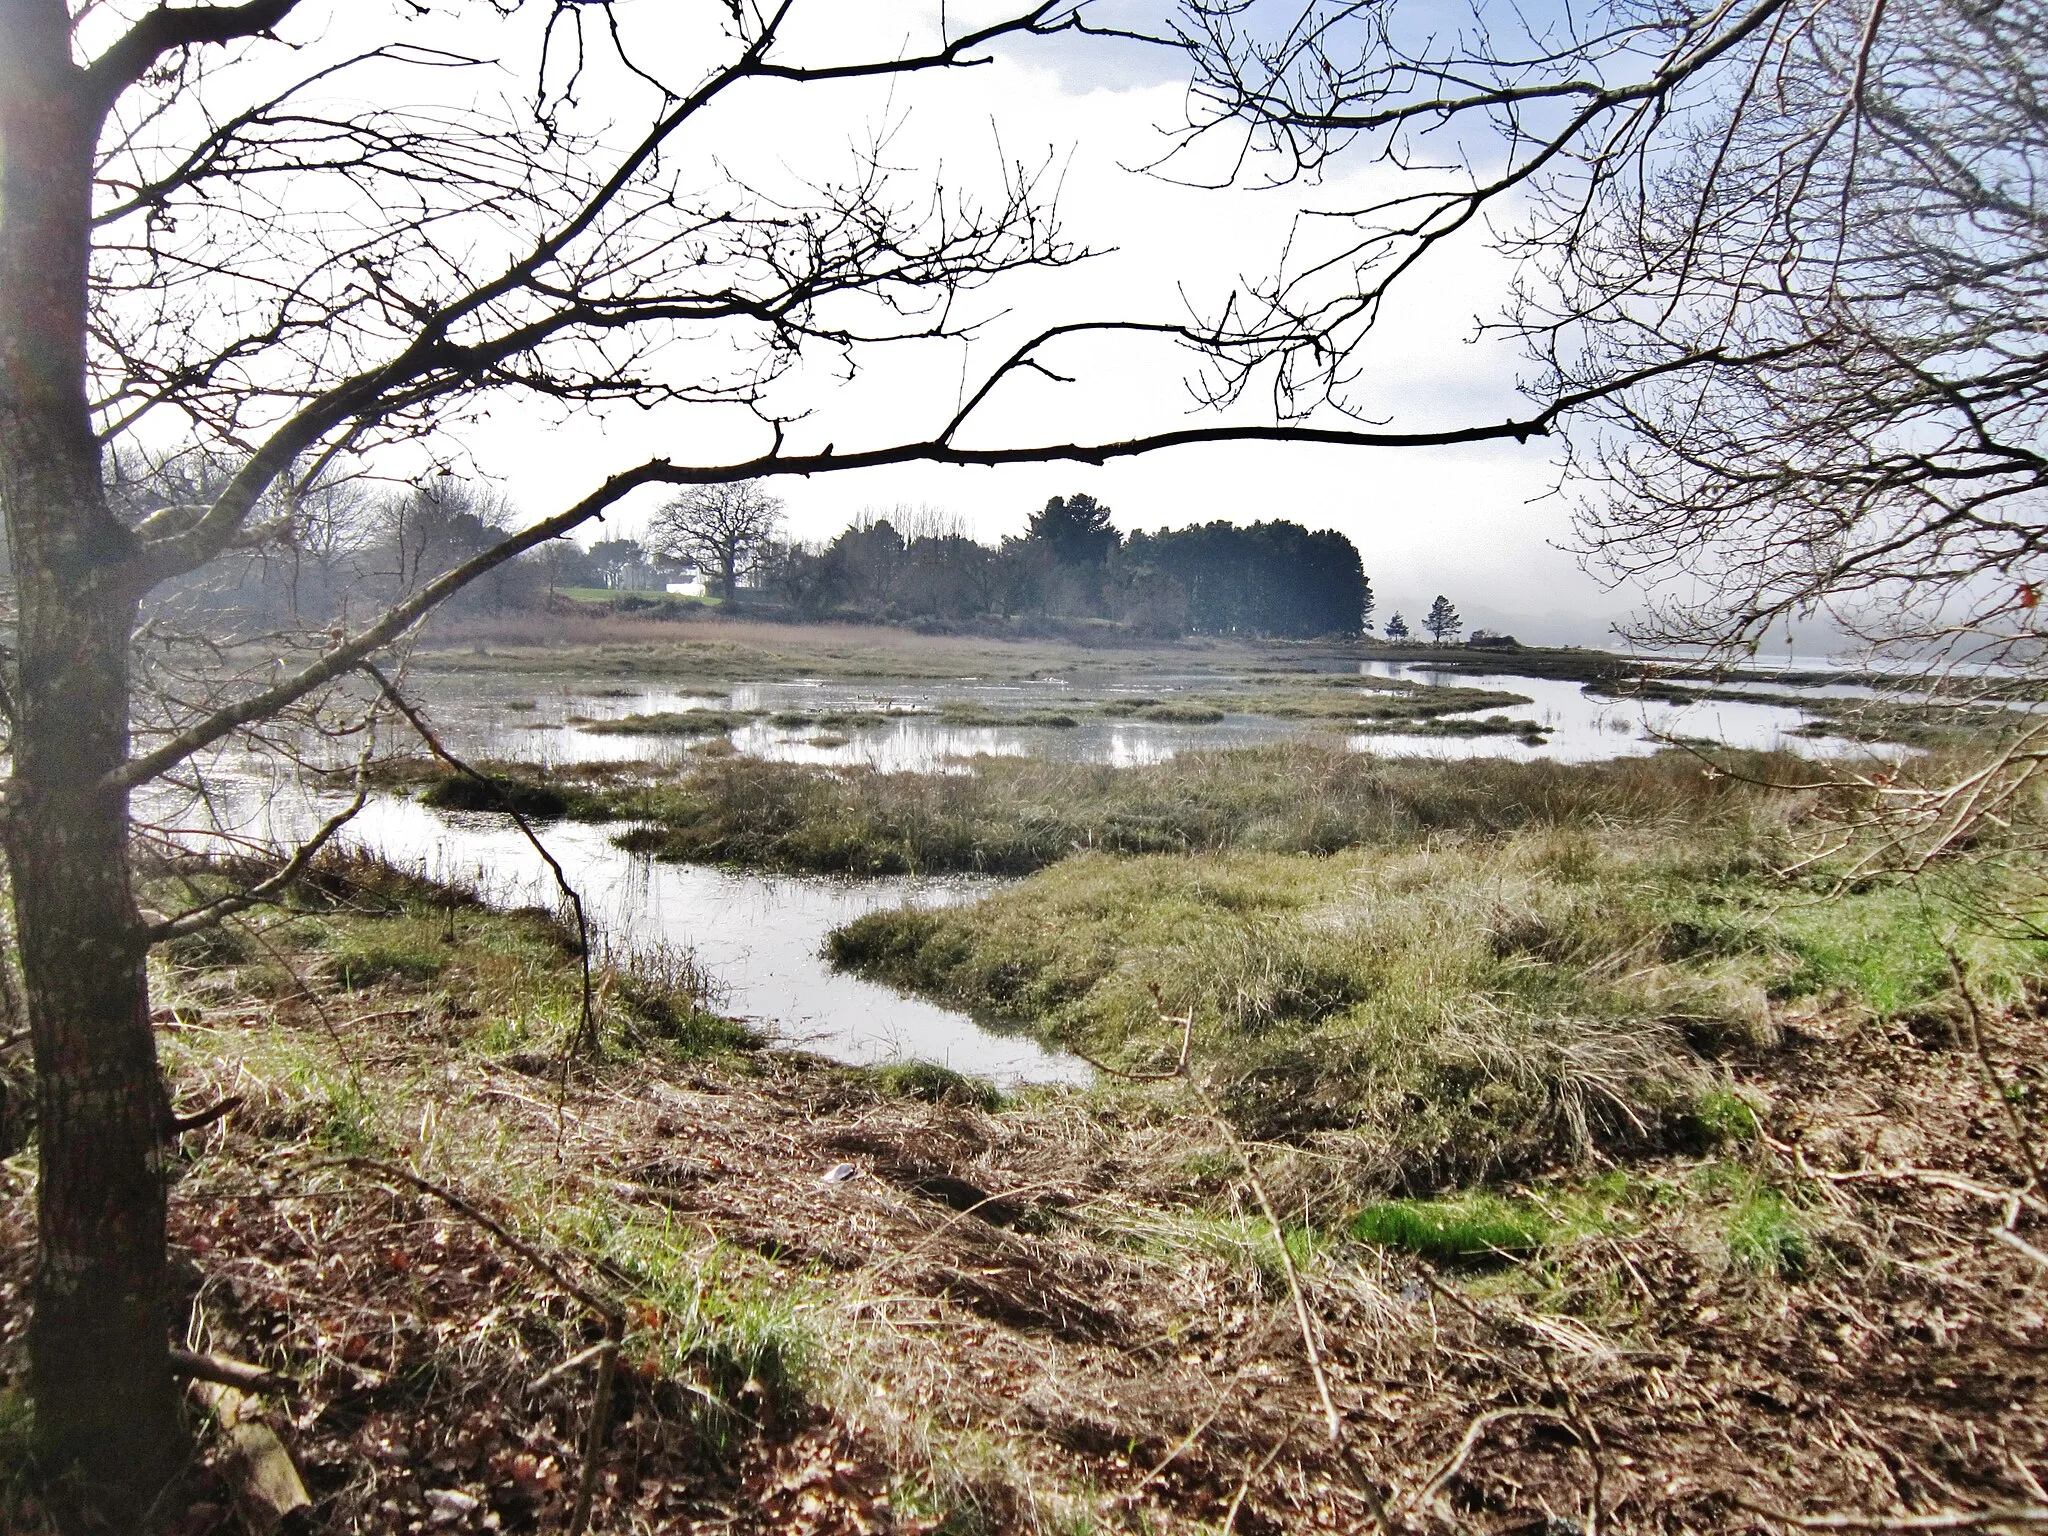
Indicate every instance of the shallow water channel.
{"type": "Point", "coordinates": [762, 936]}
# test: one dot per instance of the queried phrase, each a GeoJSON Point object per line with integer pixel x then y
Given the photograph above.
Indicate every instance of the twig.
{"type": "Point", "coordinates": [2019, 1244]}
{"type": "Point", "coordinates": [1942, 1520]}
{"type": "Point", "coordinates": [603, 1306]}
{"type": "Point", "coordinates": [1474, 1432]}
{"type": "Point", "coordinates": [210, 914]}
{"type": "Point", "coordinates": [1186, 1021]}
{"type": "Point", "coordinates": [575, 1362]}
{"type": "Point", "coordinates": [1245, 1487]}
{"type": "Point", "coordinates": [1906, 1171]}
{"type": "Point", "coordinates": [610, 1311]}
{"type": "Point", "coordinates": [326, 1019]}
{"type": "Point", "coordinates": [593, 1442]}
{"type": "Point", "coordinates": [586, 1029]}
{"type": "Point", "coordinates": [2023, 1141]}
{"type": "Point", "coordinates": [1589, 1438]}
{"type": "Point", "coordinates": [385, 1013]}
{"type": "Point", "coordinates": [1189, 1439]}
{"type": "Point", "coordinates": [1301, 1314]}
{"type": "Point", "coordinates": [182, 1123]}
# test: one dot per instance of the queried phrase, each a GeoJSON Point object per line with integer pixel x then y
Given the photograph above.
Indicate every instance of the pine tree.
{"type": "Point", "coordinates": [1442, 622]}
{"type": "Point", "coordinates": [1076, 528]}
{"type": "Point", "coordinates": [1397, 628]}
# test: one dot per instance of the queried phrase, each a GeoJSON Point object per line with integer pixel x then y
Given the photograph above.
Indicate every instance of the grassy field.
{"type": "Point", "coordinates": [1560, 1099]}
{"type": "Point", "coordinates": [1460, 996]}
{"type": "Point", "coordinates": [1618, 1180]}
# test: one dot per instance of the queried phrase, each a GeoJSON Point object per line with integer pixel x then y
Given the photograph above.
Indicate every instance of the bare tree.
{"type": "Point", "coordinates": [214, 231]}
{"type": "Point", "coordinates": [718, 528]}
{"type": "Point", "coordinates": [1787, 255]}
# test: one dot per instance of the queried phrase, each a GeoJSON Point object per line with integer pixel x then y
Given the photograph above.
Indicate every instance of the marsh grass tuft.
{"type": "Point", "coordinates": [1015, 815]}
{"type": "Point", "coordinates": [663, 999]}
{"type": "Point", "coordinates": [934, 1084]}
{"type": "Point", "coordinates": [684, 722]}
{"type": "Point", "coordinates": [460, 792]}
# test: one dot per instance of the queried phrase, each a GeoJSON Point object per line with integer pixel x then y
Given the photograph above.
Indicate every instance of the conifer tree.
{"type": "Point", "coordinates": [1442, 621]}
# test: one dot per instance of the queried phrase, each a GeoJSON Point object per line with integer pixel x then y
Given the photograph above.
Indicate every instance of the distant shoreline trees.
{"type": "Point", "coordinates": [902, 565]}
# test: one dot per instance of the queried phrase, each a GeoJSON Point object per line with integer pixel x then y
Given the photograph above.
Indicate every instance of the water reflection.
{"type": "Point", "coordinates": [904, 729]}
{"type": "Point", "coordinates": [1585, 727]}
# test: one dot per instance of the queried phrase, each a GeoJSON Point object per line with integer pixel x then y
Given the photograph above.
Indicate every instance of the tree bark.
{"type": "Point", "coordinates": [99, 1340]}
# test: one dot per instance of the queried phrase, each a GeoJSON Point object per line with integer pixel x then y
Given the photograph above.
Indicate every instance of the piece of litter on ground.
{"type": "Point", "coordinates": [449, 1505]}
{"type": "Point", "coordinates": [838, 1173]}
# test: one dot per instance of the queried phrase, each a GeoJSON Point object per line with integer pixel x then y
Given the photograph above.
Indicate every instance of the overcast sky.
{"type": "Point", "coordinates": [1478, 524]}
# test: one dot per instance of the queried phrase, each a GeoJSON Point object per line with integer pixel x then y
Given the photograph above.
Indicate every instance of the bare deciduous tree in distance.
{"type": "Point", "coordinates": [294, 276]}
{"type": "Point", "coordinates": [718, 528]}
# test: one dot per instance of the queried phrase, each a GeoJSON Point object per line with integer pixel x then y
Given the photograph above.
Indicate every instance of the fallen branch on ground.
{"type": "Point", "coordinates": [224, 1372]}
{"type": "Point", "coordinates": [1942, 1520]}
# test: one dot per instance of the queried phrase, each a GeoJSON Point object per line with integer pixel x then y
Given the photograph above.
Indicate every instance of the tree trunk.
{"type": "Point", "coordinates": [728, 573]}
{"type": "Point", "coordinates": [99, 1339]}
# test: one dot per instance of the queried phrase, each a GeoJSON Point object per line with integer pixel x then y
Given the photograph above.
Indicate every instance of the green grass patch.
{"type": "Point", "coordinates": [1726, 1115]}
{"type": "Point", "coordinates": [1014, 815]}
{"type": "Point", "coordinates": [1765, 1234]}
{"type": "Point", "coordinates": [346, 1122]}
{"type": "Point", "coordinates": [402, 949]}
{"type": "Point", "coordinates": [1471, 1226]}
{"type": "Point", "coordinates": [1351, 992]}
{"type": "Point", "coordinates": [1878, 948]}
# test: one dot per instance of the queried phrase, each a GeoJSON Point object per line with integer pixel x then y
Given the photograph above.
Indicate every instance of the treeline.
{"type": "Point", "coordinates": [346, 547]}
{"type": "Point", "coordinates": [1270, 578]}
{"type": "Point", "coordinates": [351, 544]}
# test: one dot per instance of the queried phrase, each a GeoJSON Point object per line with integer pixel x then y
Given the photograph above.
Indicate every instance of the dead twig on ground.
{"type": "Point", "coordinates": [1252, 1475]}
{"type": "Point", "coordinates": [568, 1367]}
{"type": "Point", "coordinates": [2018, 1244]}
{"type": "Point", "coordinates": [1334, 1424]}
{"type": "Point", "coordinates": [1994, 1082]}
{"type": "Point", "coordinates": [180, 1124]}
{"type": "Point", "coordinates": [1941, 1520]}
{"type": "Point", "coordinates": [1454, 1463]}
